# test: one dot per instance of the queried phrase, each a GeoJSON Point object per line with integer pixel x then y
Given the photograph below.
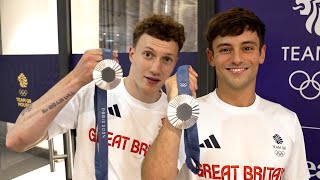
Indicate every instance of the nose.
{"type": "Point", "coordinates": [155, 66]}
{"type": "Point", "coordinates": [237, 57]}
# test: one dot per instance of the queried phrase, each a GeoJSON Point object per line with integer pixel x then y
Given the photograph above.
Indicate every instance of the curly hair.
{"type": "Point", "coordinates": [234, 22]}
{"type": "Point", "coordinates": [162, 27]}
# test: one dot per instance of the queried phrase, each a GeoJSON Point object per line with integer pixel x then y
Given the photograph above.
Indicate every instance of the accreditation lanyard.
{"type": "Point", "coordinates": [191, 140]}
{"type": "Point", "coordinates": [101, 145]}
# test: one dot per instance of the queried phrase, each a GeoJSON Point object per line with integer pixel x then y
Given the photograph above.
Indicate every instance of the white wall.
{"type": "Point", "coordinates": [85, 25]}
{"type": "Point", "coordinates": [29, 26]}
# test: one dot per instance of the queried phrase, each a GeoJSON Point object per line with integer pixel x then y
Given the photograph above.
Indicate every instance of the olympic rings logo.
{"type": "Point", "coordinates": [279, 153]}
{"type": "Point", "coordinates": [305, 84]}
{"type": "Point", "coordinates": [23, 92]}
{"type": "Point", "coordinates": [183, 84]}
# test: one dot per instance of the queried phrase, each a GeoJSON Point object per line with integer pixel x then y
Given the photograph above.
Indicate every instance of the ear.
{"type": "Point", "coordinates": [262, 54]}
{"type": "Point", "coordinates": [131, 53]}
{"type": "Point", "coordinates": [210, 57]}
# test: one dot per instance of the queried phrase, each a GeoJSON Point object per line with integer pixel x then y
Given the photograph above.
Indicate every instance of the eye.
{"type": "Point", "coordinates": [248, 48]}
{"type": "Point", "coordinates": [225, 50]}
{"type": "Point", "coordinates": [148, 54]}
{"type": "Point", "coordinates": [167, 60]}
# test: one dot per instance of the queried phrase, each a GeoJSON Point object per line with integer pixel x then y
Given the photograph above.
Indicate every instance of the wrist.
{"type": "Point", "coordinates": [74, 82]}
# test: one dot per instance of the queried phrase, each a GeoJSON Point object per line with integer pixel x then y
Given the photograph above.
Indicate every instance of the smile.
{"type": "Point", "coordinates": [236, 70]}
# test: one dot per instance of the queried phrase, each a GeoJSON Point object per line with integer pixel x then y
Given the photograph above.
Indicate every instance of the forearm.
{"type": "Point", "coordinates": [162, 157]}
{"type": "Point", "coordinates": [31, 127]}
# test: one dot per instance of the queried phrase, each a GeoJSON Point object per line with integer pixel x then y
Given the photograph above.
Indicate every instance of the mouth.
{"type": "Point", "coordinates": [236, 70]}
{"type": "Point", "coordinates": [152, 80]}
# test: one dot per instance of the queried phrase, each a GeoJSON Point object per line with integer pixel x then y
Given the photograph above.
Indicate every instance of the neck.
{"type": "Point", "coordinates": [140, 94]}
{"type": "Point", "coordinates": [239, 98]}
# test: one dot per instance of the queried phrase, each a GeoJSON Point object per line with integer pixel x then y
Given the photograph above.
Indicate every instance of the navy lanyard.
{"type": "Point", "coordinates": [191, 140]}
{"type": "Point", "coordinates": [101, 145]}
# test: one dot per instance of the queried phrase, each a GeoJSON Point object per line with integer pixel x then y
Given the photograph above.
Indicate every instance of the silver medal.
{"type": "Point", "coordinates": [107, 74]}
{"type": "Point", "coordinates": [183, 111]}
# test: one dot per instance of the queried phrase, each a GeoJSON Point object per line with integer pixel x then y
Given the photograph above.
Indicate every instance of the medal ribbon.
{"type": "Point", "coordinates": [191, 140]}
{"type": "Point", "coordinates": [101, 145]}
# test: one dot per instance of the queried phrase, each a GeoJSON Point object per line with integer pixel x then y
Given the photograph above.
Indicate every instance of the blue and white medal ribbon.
{"type": "Point", "coordinates": [107, 75]}
{"type": "Point", "coordinates": [183, 112]}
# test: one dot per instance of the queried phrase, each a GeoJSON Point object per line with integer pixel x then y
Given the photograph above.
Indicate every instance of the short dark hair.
{"type": "Point", "coordinates": [234, 22]}
{"type": "Point", "coordinates": [162, 27]}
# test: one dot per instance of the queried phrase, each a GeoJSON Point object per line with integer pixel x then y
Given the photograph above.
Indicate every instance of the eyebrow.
{"type": "Point", "coordinates": [243, 43]}
{"type": "Point", "coordinates": [250, 42]}
{"type": "Point", "coordinates": [147, 47]}
{"type": "Point", "coordinates": [223, 44]}
{"type": "Point", "coordinates": [152, 49]}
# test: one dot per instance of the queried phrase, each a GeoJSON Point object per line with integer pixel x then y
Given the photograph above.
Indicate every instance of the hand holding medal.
{"type": "Point", "coordinates": [183, 112]}
{"type": "Point", "coordinates": [107, 73]}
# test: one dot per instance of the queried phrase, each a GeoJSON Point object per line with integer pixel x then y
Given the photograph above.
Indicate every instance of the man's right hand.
{"type": "Point", "coordinates": [172, 87]}
{"type": "Point", "coordinates": [32, 125]}
{"type": "Point", "coordinates": [83, 71]}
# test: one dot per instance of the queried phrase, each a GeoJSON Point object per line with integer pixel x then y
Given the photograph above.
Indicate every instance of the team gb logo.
{"type": "Point", "coordinates": [310, 8]}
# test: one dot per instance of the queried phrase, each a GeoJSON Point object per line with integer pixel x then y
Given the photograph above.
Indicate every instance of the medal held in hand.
{"type": "Point", "coordinates": [108, 73]}
{"type": "Point", "coordinates": [183, 113]}
{"type": "Point", "coordinates": [183, 110]}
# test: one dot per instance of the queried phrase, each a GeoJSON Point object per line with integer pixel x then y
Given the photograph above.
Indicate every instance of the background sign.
{"type": "Point", "coordinates": [23, 79]}
{"type": "Point", "coordinates": [290, 74]}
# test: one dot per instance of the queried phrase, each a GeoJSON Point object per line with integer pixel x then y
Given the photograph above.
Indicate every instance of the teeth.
{"type": "Point", "coordinates": [237, 70]}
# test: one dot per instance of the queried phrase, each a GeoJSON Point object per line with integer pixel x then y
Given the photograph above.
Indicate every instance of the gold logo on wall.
{"type": "Point", "coordinates": [23, 92]}
{"type": "Point", "coordinates": [23, 81]}
{"type": "Point", "coordinates": [22, 100]}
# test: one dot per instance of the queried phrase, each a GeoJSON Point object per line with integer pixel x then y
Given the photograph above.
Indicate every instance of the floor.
{"type": "Point", "coordinates": [32, 164]}
{"type": "Point", "coordinates": [45, 172]}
